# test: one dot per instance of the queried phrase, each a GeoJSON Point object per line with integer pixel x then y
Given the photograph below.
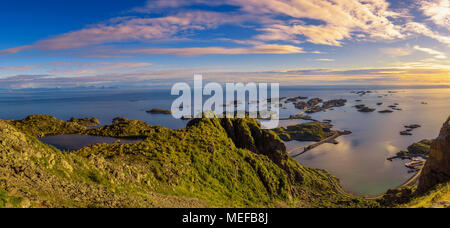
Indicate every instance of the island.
{"type": "Point", "coordinates": [160, 111]}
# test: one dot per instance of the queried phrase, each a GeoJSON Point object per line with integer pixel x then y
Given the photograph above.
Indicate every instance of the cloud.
{"type": "Point", "coordinates": [397, 52]}
{"type": "Point", "coordinates": [92, 68]}
{"type": "Point", "coordinates": [136, 29]}
{"type": "Point", "coordinates": [418, 28]}
{"type": "Point", "coordinates": [19, 68]}
{"type": "Point", "coordinates": [258, 49]}
{"type": "Point", "coordinates": [436, 54]}
{"type": "Point", "coordinates": [341, 19]}
{"type": "Point", "coordinates": [132, 29]}
{"type": "Point", "coordinates": [438, 11]}
{"type": "Point", "coordinates": [14, 50]}
{"type": "Point", "coordinates": [387, 76]}
{"type": "Point", "coordinates": [322, 22]}
{"type": "Point", "coordinates": [325, 60]}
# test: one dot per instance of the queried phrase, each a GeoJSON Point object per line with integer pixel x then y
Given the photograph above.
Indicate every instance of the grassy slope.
{"type": "Point", "coordinates": [437, 198]}
{"type": "Point", "coordinates": [195, 167]}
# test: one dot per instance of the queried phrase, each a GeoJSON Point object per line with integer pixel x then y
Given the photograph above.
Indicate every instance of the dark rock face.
{"type": "Point", "coordinates": [247, 134]}
{"type": "Point", "coordinates": [396, 196]}
{"type": "Point", "coordinates": [437, 168]}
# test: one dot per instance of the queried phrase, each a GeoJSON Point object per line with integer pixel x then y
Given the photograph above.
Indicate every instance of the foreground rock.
{"type": "Point", "coordinates": [437, 168]}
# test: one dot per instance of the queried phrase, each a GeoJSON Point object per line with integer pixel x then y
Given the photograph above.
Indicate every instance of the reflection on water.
{"type": "Point", "coordinates": [359, 160]}
{"type": "Point", "coordinates": [76, 142]}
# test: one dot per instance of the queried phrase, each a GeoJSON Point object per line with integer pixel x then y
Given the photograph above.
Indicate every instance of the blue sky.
{"type": "Point", "coordinates": [53, 43]}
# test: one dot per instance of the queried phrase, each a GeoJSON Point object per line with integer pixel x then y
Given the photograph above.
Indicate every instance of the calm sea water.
{"type": "Point", "coordinates": [359, 160]}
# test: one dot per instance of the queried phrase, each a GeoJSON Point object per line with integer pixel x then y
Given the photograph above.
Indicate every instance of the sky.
{"type": "Point", "coordinates": [58, 44]}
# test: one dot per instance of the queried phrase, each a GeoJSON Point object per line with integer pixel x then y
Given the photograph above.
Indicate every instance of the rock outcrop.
{"type": "Point", "coordinates": [437, 168]}
{"type": "Point", "coordinates": [87, 122]}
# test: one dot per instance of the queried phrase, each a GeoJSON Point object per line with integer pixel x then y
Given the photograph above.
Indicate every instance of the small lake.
{"type": "Point", "coordinates": [76, 142]}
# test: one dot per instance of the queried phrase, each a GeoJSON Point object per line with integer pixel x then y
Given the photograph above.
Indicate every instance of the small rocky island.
{"type": "Point", "coordinates": [409, 129]}
{"type": "Point", "coordinates": [313, 105]}
{"type": "Point", "coordinates": [159, 111]}
{"type": "Point", "coordinates": [364, 108]}
{"type": "Point", "coordinates": [309, 132]}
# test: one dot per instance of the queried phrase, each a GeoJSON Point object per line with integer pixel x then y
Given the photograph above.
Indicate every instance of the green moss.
{"type": "Point", "coordinates": [44, 125]}
{"type": "Point", "coordinates": [87, 122]}
{"type": "Point", "coordinates": [314, 131]}
{"type": "Point", "coordinates": [9, 201]}
{"type": "Point", "coordinates": [438, 197]}
{"type": "Point", "coordinates": [123, 127]}
{"type": "Point", "coordinates": [421, 148]}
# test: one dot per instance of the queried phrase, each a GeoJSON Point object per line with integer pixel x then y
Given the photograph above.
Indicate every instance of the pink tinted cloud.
{"type": "Point", "coordinates": [14, 50]}
{"type": "Point", "coordinates": [136, 29]}
{"type": "Point", "coordinates": [258, 49]}
{"type": "Point", "coordinates": [71, 68]}
{"type": "Point", "coordinates": [19, 68]}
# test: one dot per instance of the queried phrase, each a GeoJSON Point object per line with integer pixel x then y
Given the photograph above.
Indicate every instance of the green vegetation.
{"type": "Point", "coordinates": [124, 128]}
{"type": "Point", "coordinates": [314, 131]}
{"type": "Point", "coordinates": [87, 122]}
{"type": "Point", "coordinates": [8, 201]}
{"type": "Point", "coordinates": [419, 149]}
{"type": "Point", "coordinates": [44, 125]}
{"type": "Point", "coordinates": [211, 163]}
{"type": "Point", "coordinates": [439, 197]}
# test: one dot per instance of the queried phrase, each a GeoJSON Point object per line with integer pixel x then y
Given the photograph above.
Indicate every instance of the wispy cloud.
{"type": "Point", "coordinates": [436, 54]}
{"type": "Point", "coordinates": [19, 68]}
{"type": "Point", "coordinates": [93, 68]}
{"type": "Point", "coordinates": [258, 49]}
{"type": "Point", "coordinates": [325, 60]}
{"type": "Point", "coordinates": [398, 52]}
{"type": "Point", "coordinates": [136, 29]}
{"type": "Point", "coordinates": [387, 76]}
{"type": "Point", "coordinates": [14, 50]}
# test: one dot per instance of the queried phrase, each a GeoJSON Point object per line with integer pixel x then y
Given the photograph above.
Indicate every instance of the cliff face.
{"type": "Point", "coordinates": [437, 168]}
